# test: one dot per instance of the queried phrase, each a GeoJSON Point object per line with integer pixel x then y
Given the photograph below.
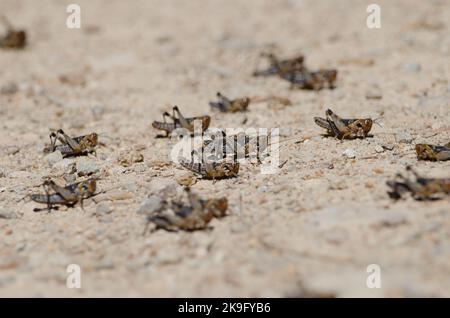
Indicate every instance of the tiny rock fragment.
{"type": "Point", "coordinates": [7, 214]}
{"type": "Point", "coordinates": [103, 208]}
{"type": "Point", "coordinates": [379, 149]}
{"type": "Point", "coordinates": [186, 179]}
{"type": "Point", "coordinates": [86, 167]}
{"type": "Point", "coordinates": [403, 137]}
{"type": "Point", "coordinates": [164, 187]}
{"type": "Point", "coordinates": [66, 165]}
{"type": "Point", "coordinates": [140, 167]}
{"type": "Point", "coordinates": [53, 158]}
{"type": "Point", "coordinates": [150, 205]}
{"type": "Point", "coordinates": [413, 67]}
{"type": "Point", "coordinates": [349, 153]}
{"type": "Point", "coordinates": [388, 146]}
{"type": "Point", "coordinates": [97, 111]}
{"type": "Point", "coordinates": [128, 157]}
{"type": "Point", "coordinates": [262, 189]}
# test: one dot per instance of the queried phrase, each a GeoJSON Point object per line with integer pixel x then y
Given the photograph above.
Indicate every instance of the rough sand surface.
{"type": "Point", "coordinates": [308, 230]}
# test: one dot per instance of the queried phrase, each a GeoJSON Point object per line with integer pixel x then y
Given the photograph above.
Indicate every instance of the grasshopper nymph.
{"type": "Point", "coordinates": [72, 146]}
{"type": "Point", "coordinates": [344, 128]}
{"type": "Point", "coordinates": [294, 71]}
{"type": "Point", "coordinates": [230, 106]}
{"type": "Point", "coordinates": [179, 121]}
{"type": "Point", "coordinates": [280, 67]}
{"type": "Point", "coordinates": [316, 80]}
{"type": "Point", "coordinates": [212, 170]}
{"type": "Point", "coordinates": [194, 216]}
{"type": "Point", "coordinates": [420, 188]}
{"type": "Point", "coordinates": [432, 152]}
{"type": "Point", "coordinates": [68, 195]}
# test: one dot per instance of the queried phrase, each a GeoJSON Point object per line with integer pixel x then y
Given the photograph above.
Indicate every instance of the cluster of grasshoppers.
{"type": "Point", "coordinates": [294, 71]}
{"type": "Point", "coordinates": [217, 165]}
{"type": "Point", "coordinates": [420, 188]}
{"type": "Point", "coordinates": [73, 193]}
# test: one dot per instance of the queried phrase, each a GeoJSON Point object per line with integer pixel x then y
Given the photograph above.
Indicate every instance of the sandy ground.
{"type": "Point", "coordinates": [308, 230]}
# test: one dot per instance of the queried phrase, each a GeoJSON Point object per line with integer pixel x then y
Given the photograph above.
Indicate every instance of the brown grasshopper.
{"type": "Point", "coordinates": [344, 128]}
{"type": "Point", "coordinates": [294, 71]}
{"type": "Point", "coordinates": [280, 67]}
{"type": "Point", "coordinates": [212, 170]}
{"type": "Point", "coordinates": [420, 188]}
{"type": "Point", "coordinates": [13, 39]}
{"type": "Point", "coordinates": [241, 145]}
{"type": "Point", "coordinates": [179, 121]}
{"type": "Point", "coordinates": [192, 217]}
{"type": "Point", "coordinates": [69, 147]}
{"type": "Point", "coordinates": [316, 80]}
{"type": "Point", "coordinates": [230, 106]}
{"type": "Point", "coordinates": [432, 152]}
{"type": "Point", "coordinates": [68, 195]}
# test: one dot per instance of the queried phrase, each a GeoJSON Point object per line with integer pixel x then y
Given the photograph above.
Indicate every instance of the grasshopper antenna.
{"type": "Point", "coordinates": [376, 121]}
{"type": "Point", "coordinates": [5, 22]}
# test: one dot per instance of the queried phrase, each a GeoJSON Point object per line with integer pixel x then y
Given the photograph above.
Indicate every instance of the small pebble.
{"type": "Point", "coordinates": [140, 167]}
{"type": "Point", "coordinates": [103, 208]}
{"type": "Point", "coordinates": [349, 153]}
{"type": "Point", "coordinates": [262, 189]}
{"type": "Point", "coordinates": [413, 67]}
{"type": "Point", "coordinates": [388, 146]}
{"type": "Point", "coordinates": [53, 158]}
{"type": "Point", "coordinates": [379, 149]}
{"type": "Point", "coordinates": [150, 205]}
{"type": "Point", "coordinates": [186, 179]}
{"type": "Point", "coordinates": [403, 137]}
{"type": "Point", "coordinates": [164, 187]}
{"type": "Point", "coordinates": [97, 111]}
{"type": "Point", "coordinates": [7, 214]}
{"type": "Point", "coordinates": [66, 165]}
{"type": "Point", "coordinates": [86, 167]}
{"type": "Point", "coordinates": [127, 157]}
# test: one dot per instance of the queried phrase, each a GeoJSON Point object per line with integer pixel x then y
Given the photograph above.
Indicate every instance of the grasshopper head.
{"type": "Point", "coordinates": [424, 151]}
{"type": "Point", "coordinates": [245, 102]}
{"type": "Point", "coordinates": [87, 188]}
{"type": "Point", "coordinates": [298, 60]}
{"type": "Point", "coordinates": [205, 122]}
{"type": "Point", "coordinates": [232, 167]}
{"type": "Point", "coordinates": [92, 139]}
{"type": "Point", "coordinates": [331, 75]}
{"type": "Point", "coordinates": [329, 112]}
{"type": "Point", "coordinates": [367, 125]}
